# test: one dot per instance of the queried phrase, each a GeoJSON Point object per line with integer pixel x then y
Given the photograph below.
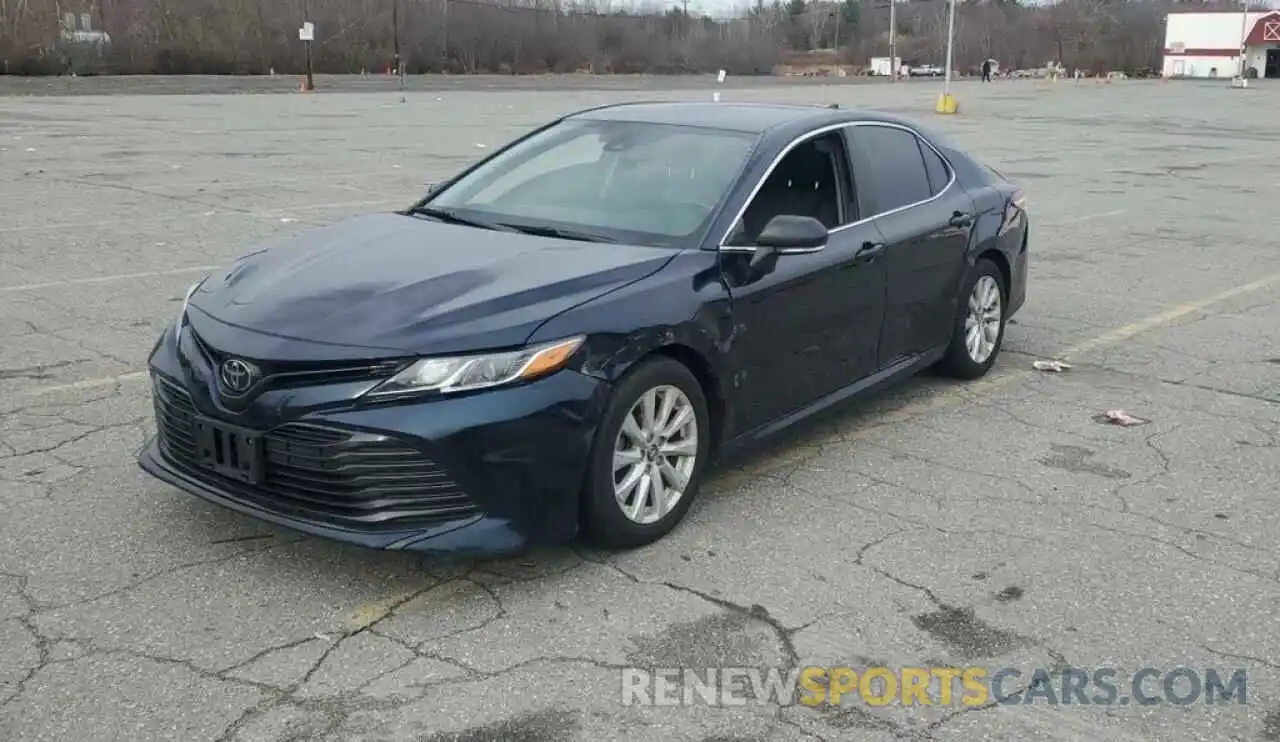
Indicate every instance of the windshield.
{"type": "Point", "coordinates": [639, 183]}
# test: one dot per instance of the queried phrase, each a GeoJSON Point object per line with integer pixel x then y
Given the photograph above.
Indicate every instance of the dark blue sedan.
{"type": "Point", "coordinates": [564, 337]}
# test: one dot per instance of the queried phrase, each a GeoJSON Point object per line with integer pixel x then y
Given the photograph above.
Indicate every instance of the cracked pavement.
{"type": "Point", "coordinates": [995, 523]}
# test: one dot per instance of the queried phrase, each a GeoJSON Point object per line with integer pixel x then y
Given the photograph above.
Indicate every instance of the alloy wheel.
{"type": "Point", "coordinates": [654, 454]}
{"type": "Point", "coordinates": [982, 323]}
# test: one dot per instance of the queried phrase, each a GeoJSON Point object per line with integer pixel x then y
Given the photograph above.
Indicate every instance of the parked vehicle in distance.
{"type": "Point", "coordinates": [927, 70]}
{"type": "Point", "coordinates": [563, 337]}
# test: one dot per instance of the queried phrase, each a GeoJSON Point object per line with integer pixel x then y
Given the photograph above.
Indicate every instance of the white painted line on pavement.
{"type": "Point", "coordinates": [218, 211]}
{"type": "Point", "coordinates": [107, 279]}
{"type": "Point", "coordinates": [88, 384]}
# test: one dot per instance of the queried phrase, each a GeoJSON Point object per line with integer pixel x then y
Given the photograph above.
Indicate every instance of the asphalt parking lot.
{"type": "Point", "coordinates": [994, 524]}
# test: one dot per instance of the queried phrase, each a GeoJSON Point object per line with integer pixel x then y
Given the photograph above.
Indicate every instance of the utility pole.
{"type": "Point", "coordinates": [306, 24]}
{"type": "Point", "coordinates": [839, 12]}
{"type": "Point", "coordinates": [951, 34]}
{"type": "Point", "coordinates": [947, 102]}
{"type": "Point", "coordinates": [444, 25]}
{"type": "Point", "coordinates": [893, 40]}
{"type": "Point", "coordinates": [395, 39]}
{"type": "Point", "coordinates": [1244, 47]}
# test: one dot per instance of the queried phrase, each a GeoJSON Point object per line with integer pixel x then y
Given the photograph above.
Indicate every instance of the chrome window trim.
{"type": "Point", "coordinates": [951, 170]}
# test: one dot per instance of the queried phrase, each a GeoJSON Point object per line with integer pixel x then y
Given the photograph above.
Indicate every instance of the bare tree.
{"type": "Point", "coordinates": [532, 36]}
{"type": "Point", "coordinates": [815, 23]}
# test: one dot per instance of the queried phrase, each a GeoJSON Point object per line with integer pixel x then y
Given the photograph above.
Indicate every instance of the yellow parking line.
{"type": "Point", "coordinates": [368, 614]}
{"type": "Point", "coordinates": [954, 396]}
{"type": "Point", "coordinates": [1121, 334]}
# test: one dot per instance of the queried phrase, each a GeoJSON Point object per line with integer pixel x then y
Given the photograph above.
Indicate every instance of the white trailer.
{"type": "Point", "coordinates": [883, 66]}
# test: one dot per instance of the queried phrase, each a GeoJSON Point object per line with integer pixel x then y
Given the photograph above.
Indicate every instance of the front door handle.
{"type": "Point", "coordinates": [960, 219]}
{"type": "Point", "coordinates": [869, 251]}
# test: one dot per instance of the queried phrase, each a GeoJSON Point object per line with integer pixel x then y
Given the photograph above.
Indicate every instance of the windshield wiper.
{"type": "Point", "coordinates": [564, 234]}
{"type": "Point", "coordinates": [452, 217]}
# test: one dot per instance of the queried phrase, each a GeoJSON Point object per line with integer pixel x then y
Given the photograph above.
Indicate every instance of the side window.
{"type": "Point", "coordinates": [893, 167]}
{"type": "Point", "coordinates": [939, 174]}
{"type": "Point", "coordinates": [812, 180]}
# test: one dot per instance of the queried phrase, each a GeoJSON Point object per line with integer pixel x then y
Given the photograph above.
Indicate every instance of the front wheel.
{"type": "Point", "coordinates": [649, 456]}
{"type": "Point", "coordinates": [979, 327]}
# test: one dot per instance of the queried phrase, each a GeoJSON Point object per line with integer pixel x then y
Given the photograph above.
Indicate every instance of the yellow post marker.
{"type": "Point", "coordinates": [947, 103]}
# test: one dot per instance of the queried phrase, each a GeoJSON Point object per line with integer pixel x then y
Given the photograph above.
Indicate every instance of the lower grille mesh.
{"type": "Point", "coordinates": [355, 480]}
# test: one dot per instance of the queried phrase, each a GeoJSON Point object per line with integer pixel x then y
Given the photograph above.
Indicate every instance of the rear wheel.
{"type": "Point", "coordinates": [649, 456]}
{"type": "Point", "coordinates": [979, 328]}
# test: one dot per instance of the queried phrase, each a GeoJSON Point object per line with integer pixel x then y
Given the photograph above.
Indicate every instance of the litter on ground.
{"type": "Point", "coordinates": [1121, 418]}
{"type": "Point", "coordinates": [1051, 366]}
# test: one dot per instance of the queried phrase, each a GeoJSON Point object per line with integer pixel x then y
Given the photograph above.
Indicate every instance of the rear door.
{"type": "Point", "coordinates": [926, 219]}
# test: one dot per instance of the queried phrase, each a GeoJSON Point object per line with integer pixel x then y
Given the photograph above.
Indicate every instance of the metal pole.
{"type": "Point", "coordinates": [951, 31]}
{"type": "Point", "coordinates": [444, 26]}
{"type": "Point", "coordinates": [395, 40]}
{"type": "Point", "coordinates": [839, 12]}
{"type": "Point", "coordinates": [893, 40]}
{"type": "Point", "coordinates": [306, 18]}
{"type": "Point", "coordinates": [1244, 33]}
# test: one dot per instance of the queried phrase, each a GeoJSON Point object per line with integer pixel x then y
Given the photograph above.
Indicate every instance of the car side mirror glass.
{"type": "Point", "coordinates": [792, 232]}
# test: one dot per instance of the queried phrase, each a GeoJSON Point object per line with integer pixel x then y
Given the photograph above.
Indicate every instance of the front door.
{"type": "Point", "coordinates": [810, 325]}
{"type": "Point", "coordinates": [1273, 63]}
{"type": "Point", "coordinates": [926, 220]}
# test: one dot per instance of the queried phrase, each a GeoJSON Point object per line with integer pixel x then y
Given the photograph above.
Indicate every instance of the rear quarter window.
{"type": "Point", "coordinates": [939, 171]}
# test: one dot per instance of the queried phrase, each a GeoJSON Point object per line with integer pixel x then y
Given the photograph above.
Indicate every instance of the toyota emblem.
{"type": "Point", "coordinates": [238, 376]}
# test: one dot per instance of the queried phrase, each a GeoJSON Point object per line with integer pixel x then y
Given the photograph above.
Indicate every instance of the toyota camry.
{"type": "Point", "coordinates": [564, 337]}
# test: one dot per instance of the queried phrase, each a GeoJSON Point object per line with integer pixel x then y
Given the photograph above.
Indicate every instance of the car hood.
{"type": "Point", "coordinates": [395, 283]}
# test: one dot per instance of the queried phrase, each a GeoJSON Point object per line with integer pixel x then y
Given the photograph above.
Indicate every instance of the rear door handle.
{"type": "Point", "coordinates": [869, 251]}
{"type": "Point", "coordinates": [961, 219]}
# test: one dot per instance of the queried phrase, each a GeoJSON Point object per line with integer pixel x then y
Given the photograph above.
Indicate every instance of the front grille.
{"type": "Point", "coordinates": [350, 479]}
{"type": "Point", "coordinates": [276, 374]}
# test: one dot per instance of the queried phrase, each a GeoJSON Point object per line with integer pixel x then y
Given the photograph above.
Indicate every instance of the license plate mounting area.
{"type": "Point", "coordinates": [228, 450]}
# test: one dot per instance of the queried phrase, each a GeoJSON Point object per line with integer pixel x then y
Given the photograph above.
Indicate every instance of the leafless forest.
{"type": "Point", "coordinates": [539, 36]}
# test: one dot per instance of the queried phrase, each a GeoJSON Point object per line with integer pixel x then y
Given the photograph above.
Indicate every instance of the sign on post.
{"type": "Point", "coordinates": [307, 32]}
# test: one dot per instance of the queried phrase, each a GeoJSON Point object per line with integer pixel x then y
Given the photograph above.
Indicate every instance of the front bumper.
{"type": "Point", "coordinates": [483, 474]}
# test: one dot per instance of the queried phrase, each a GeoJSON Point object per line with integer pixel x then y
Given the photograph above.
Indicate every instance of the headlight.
{"type": "Point", "coordinates": [468, 373]}
{"type": "Point", "coordinates": [182, 314]}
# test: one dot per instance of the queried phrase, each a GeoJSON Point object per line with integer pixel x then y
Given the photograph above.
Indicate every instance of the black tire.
{"type": "Point", "coordinates": [603, 522]}
{"type": "Point", "coordinates": [957, 362]}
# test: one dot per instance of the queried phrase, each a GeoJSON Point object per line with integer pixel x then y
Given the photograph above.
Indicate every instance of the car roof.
{"type": "Point", "coordinates": [754, 118]}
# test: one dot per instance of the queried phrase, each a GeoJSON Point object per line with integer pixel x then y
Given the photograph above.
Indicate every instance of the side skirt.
{"type": "Point", "coordinates": [898, 371]}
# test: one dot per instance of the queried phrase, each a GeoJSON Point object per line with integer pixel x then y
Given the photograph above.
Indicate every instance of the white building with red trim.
{"type": "Point", "coordinates": [1208, 43]}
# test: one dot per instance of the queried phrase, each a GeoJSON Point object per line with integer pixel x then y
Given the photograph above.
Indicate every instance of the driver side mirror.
{"type": "Point", "coordinates": [788, 232]}
{"type": "Point", "coordinates": [783, 234]}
